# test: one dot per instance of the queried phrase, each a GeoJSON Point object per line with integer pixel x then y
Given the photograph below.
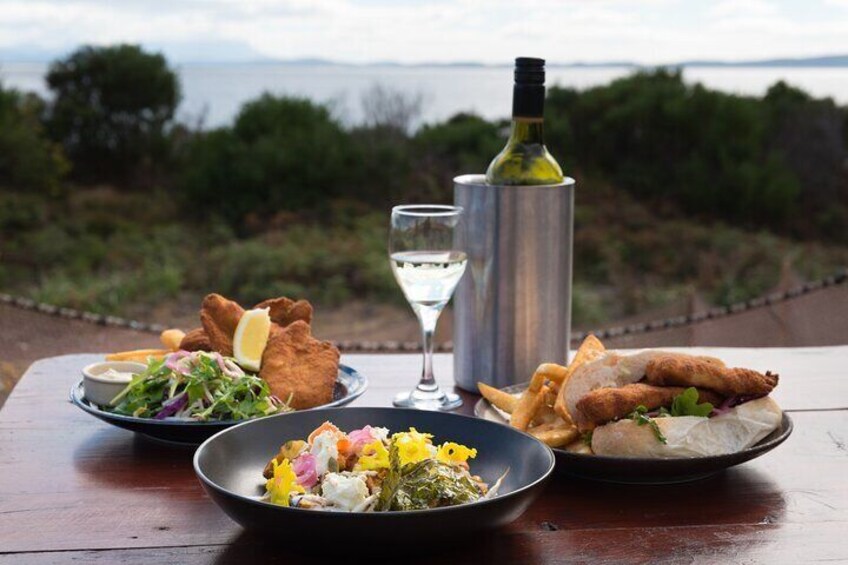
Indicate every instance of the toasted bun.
{"type": "Point", "coordinates": [609, 371]}
{"type": "Point", "coordinates": [690, 436]}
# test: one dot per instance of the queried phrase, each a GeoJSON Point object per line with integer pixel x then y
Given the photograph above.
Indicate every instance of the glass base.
{"type": "Point", "coordinates": [424, 400]}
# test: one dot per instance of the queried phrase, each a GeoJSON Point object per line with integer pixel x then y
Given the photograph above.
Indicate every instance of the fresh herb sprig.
{"type": "Point", "coordinates": [640, 416]}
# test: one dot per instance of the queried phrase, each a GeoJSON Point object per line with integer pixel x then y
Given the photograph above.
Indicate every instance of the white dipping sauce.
{"type": "Point", "coordinates": [115, 376]}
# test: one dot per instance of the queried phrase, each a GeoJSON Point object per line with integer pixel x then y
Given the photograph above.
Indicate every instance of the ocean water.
{"type": "Point", "coordinates": [213, 94]}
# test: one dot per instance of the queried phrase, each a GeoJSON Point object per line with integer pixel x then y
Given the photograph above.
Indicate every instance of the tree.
{"type": "Point", "coordinates": [28, 160]}
{"type": "Point", "coordinates": [111, 110]}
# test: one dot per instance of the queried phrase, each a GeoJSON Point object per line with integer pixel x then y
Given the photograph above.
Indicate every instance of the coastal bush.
{"type": "Point", "coordinates": [327, 265]}
{"type": "Point", "coordinates": [707, 152]}
{"type": "Point", "coordinates": [111, 110]}
{"type": "Point", "coordinates": [28, 159]}
{"type": "Point", "coordinates": [464, 144]}
{"type": "Point", "coordinates": [282, 154]}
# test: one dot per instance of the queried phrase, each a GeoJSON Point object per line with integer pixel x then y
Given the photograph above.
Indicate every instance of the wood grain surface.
{"type": "Point", "coordinates": [74, 489]}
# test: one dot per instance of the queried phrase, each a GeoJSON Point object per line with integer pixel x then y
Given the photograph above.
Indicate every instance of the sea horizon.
{"type": "Point", "coordinates": [213, 93]}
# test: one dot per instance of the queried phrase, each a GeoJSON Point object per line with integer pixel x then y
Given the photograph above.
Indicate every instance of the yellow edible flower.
{"type": "Point", "coordinates": [454, 453]}
{"type": "Point", "coordinates": [412, 446]}
{"type": "Point", "coordinates": [374, 456]}
{"type": "Point", "coordinates": [283, 483]}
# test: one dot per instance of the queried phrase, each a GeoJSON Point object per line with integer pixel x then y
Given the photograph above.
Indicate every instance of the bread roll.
{"type": "Point", "coordinates": [608, 371]}
{"type": "Point", "coordinates": [690, 436]}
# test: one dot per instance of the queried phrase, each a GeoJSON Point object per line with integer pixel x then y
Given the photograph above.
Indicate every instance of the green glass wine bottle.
{"type": "Point", "coordinates": [525, 159]}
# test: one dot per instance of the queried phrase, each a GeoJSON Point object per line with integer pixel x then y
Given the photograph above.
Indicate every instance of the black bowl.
{"type": "Point", "coordinates": [349, 386]}
{"type": "Point", "coordinates": [642, 470]}
{"type": "Point", "coordinates": [230, 466]}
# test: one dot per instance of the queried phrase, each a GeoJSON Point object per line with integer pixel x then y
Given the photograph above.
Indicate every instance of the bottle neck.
{"type": "Point", "coordinates": [527, 131]}
{"type": "Point", "coordinates": [528, 107]}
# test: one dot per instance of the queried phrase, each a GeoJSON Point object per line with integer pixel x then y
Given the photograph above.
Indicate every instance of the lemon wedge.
{"type": "Point", "coordinates": [251, 337]}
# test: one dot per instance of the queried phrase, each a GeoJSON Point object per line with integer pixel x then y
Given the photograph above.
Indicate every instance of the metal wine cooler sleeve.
{"type": "Point", "coordinates": [513, 305]}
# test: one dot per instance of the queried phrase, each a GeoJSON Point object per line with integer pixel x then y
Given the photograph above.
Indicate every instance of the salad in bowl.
{"type": "Point", "coordinates": [199, 386]}
{"type": "Point", "coordinates": [371, 470]}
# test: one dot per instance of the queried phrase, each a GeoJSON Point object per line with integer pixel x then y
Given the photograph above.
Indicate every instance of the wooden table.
{"type": "Point", "coordinates": [73, 488]}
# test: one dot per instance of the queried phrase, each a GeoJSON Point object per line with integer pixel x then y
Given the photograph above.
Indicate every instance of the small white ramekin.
{"type": "Point", "coordinates": [101, 391]}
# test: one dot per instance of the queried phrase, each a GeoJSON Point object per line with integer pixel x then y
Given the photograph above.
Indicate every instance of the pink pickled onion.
{"type": "Point", "coordinates": [304, 467]}
{"type": "Point", "coordinates": [359, 438]}
{"type": "Point", "coordinates": [171, 361]}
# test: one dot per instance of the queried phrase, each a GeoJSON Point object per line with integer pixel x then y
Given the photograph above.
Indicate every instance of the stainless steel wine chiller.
{"type": "Point", "coordinates": [513, 306]}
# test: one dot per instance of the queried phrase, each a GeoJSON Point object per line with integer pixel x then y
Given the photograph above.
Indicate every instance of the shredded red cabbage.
{"type": "Point", "coordinates": [732, 402]}
{"type": "Point", "coordinates": [172, 406]}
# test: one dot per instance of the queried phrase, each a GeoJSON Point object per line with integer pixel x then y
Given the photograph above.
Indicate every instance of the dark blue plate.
{"type": "Point", "coordinates": [230, 466]}
{"type": "Point", "coordinates": [349, 386]}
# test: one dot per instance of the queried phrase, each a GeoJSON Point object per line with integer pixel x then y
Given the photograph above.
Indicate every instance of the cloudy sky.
{"type": "Point", "coordinates": [489, 31]}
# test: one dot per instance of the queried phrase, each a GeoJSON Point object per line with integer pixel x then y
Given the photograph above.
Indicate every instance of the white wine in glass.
{"type": "Point", "coordinates": [428, 267]}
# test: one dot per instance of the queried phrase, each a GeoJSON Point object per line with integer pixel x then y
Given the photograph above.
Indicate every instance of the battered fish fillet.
{"type": "Point", "coordinates": [220, 317]}
{"type": "Point", "coordinates": [196, 340]}
{"type": "Point", "coordinates": [607, 404]}
{"type": "Point", "coordinates": [682, 370]}
{"type": "Point", "coordinates": [298, 365]}
{"type": "Point", "coordinates": [284, 311]}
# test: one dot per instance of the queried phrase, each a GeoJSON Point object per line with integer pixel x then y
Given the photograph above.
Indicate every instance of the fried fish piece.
{"type": "Point", "coordinates": [285, 311]}
{"type": "Point", "coordinates": [297, 365]}
{"type": "Point", "coordinates": [196, 340]}
{"type": "Point", "coordinates": [685, 370]}
{"type": "Point", "coordinates": [220, 317]}
{"type": "Point", "coordinates": [604, 405]}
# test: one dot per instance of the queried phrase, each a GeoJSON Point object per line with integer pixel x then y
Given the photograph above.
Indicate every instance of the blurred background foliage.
{"type": "Point", "coordinates": [108, 203]}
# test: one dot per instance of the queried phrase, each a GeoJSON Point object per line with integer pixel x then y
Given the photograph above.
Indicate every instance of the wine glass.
{"type": "Point", "coordinates": [427, 265]}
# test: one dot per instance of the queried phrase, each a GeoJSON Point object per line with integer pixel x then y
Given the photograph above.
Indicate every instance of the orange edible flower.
{"type": "Point", "coordinates": [326, 426]}
{"type": "Point", "coordinates": [344, 446]}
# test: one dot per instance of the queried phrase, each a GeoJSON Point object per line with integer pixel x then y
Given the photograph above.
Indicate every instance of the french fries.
{"type": "Point", "coordinates": [502, 400]}
{"type": "Point", "coordinates": [553, 372]}
{"type": "Point", "coordinates": [539, 410]}
{"type": "Point", "coordinates": [555, 436]}
{"type": "Point", "coordinates": [138, 355]}
{"type": "Point", "coordinates": [530, 403]}
{"type": "Point", "coordinates": [172, 338]}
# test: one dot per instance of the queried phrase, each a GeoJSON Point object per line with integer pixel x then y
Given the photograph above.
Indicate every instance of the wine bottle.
{"type": "Point", "coordinates": [525, 159]}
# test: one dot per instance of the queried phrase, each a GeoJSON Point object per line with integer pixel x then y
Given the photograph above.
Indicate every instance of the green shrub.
{"type": "Point", "coordinates": [282, 154]}
{"type": "Point", "coordinates": [666, 141]}
{"type": "Point", "coordinates": [464, 144]}
{"type": "Point", "coordinates": [28, 160]}
{"type": "Point", "coordinates": [328, 265]}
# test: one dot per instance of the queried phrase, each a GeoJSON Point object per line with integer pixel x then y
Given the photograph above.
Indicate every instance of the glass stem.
{"type": "Point", "coordinates": [428, 317]}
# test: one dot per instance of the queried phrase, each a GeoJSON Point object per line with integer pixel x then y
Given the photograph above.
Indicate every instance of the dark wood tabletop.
{"type": "Point", "coordinates": [74, 489]}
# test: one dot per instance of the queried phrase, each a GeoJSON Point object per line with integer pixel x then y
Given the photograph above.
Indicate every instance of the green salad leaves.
{"type": "Point", "coordinates": [686, 404]}
{"type": "Point", "coordinates": [198, 386]}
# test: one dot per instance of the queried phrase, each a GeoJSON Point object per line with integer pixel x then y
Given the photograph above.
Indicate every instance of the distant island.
{"type": "Point", "coordinates": [234, 53]}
